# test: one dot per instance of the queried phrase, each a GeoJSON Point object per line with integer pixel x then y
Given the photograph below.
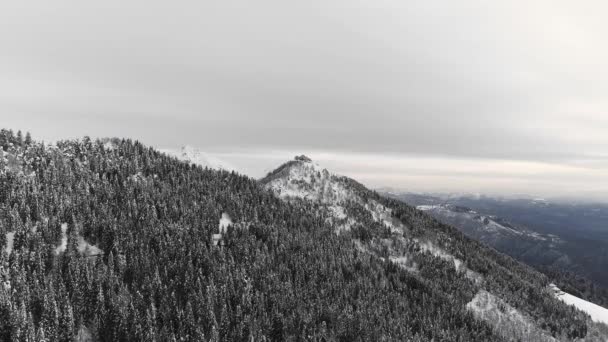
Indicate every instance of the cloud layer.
{"type": "Point", "coordinates": [519, 84]}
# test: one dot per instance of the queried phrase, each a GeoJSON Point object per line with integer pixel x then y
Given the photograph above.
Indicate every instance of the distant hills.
{"type": "Point", "coordinates": [553, 236]}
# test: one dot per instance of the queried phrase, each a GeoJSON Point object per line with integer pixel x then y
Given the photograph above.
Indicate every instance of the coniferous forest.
{"type": "Point", "coordinates": [110, 240]}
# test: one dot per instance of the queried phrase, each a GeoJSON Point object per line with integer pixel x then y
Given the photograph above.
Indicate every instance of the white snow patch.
{"type": "Point", "coordinates": [10, 237]}
{"type": "Point", "coordinates": [598, 314]}
{"type": "Point", "coordinates": [225, 222]}
{"type": "Point", "coordinates": [86, 248]}
{"type": "Point", "coordinates": [83, 246]}
{"type": "Point", "coordinates": [506, 320]}
{"type": "Point", "coordinates": [64, 239]}
{"type": "Point", "coordinates": [307, 180]}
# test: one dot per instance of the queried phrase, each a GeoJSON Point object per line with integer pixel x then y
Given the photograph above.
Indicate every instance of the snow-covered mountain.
{"type": "Point", "coordinates": [409, 239]}
{"type": "Point", "coordinates": [302, 253]}
{"type": "Point", "coordinates": [302, 178]}
{"type": "Point", "coordinates": [195, 156]}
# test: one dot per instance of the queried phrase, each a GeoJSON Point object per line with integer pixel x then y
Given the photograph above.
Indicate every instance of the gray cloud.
{"type": "Point", "coordinates": [522, 80]}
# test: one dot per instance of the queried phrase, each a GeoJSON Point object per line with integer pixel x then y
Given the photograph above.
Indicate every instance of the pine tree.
{"type": "Point", "coordinates": [28, 139]}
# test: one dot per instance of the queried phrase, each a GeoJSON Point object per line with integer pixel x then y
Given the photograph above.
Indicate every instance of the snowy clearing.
{"type": "Point", "coordinates": [598, 314]}
{"type": "Point", "coordinates": [83, 246]}
{"type": "Point", "coordinates": [9, 242]}
{"type": "Point", "coordinates": [225, 222]}
{"type": "Point", "coordinates": [64, 239]}
{"type": "Point", "coordinates": [86, 248]}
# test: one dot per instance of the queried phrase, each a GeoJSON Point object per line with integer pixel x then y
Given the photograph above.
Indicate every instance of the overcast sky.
{"type": "Point", "coordinates": [476, 96]}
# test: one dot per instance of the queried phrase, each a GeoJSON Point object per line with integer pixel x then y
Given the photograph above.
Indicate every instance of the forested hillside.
{"type": "Point", "coordinates": [110, 240]}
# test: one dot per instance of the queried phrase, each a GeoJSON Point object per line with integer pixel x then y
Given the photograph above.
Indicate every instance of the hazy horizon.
{"type": "Point", "coordinates": [495, 98]}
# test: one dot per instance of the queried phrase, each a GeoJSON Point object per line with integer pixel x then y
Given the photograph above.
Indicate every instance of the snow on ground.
{"type": "Point", "coordinates": [87, 249]}
{"type": "Point", "coordinates": [64, 239]}
{"type": "Point", "coordinates": [338, 212]}
{"type": "Point", "coordinates": [195, 156]}
{"type": "Point", "coordinates": [598, 314]}
{"type": "Point", "coordinates": [83, 246]}
{"type": "Point", "coordinates": [506, 320]}
{"type": "Point", "coordinates": [305, 179]}
{"type": "Point", "coordinates": [9, 242]}
{"type": "Point", "coordinates": [225, 222]}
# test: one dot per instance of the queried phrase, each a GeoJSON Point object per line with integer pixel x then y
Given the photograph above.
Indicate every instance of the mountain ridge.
{"type": "Point", "coordinates": [287, 268]}
{"type": "Point", "coordinates": [300, 184]}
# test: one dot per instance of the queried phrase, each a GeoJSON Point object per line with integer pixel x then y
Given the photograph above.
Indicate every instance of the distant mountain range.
{"type": "Point", "coordinates": [570, 236]}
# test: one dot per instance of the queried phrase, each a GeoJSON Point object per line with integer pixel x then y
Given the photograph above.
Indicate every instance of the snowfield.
{"type": "Point", "coordinates": [598, 314]}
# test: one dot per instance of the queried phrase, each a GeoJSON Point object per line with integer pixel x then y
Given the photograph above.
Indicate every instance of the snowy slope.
{"type": "Point", "coordinates": [304, 179]}
{"type": "Point", "coordinates": [195, 156]}
{"type": "Point", "coordinates": [597, 313]}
